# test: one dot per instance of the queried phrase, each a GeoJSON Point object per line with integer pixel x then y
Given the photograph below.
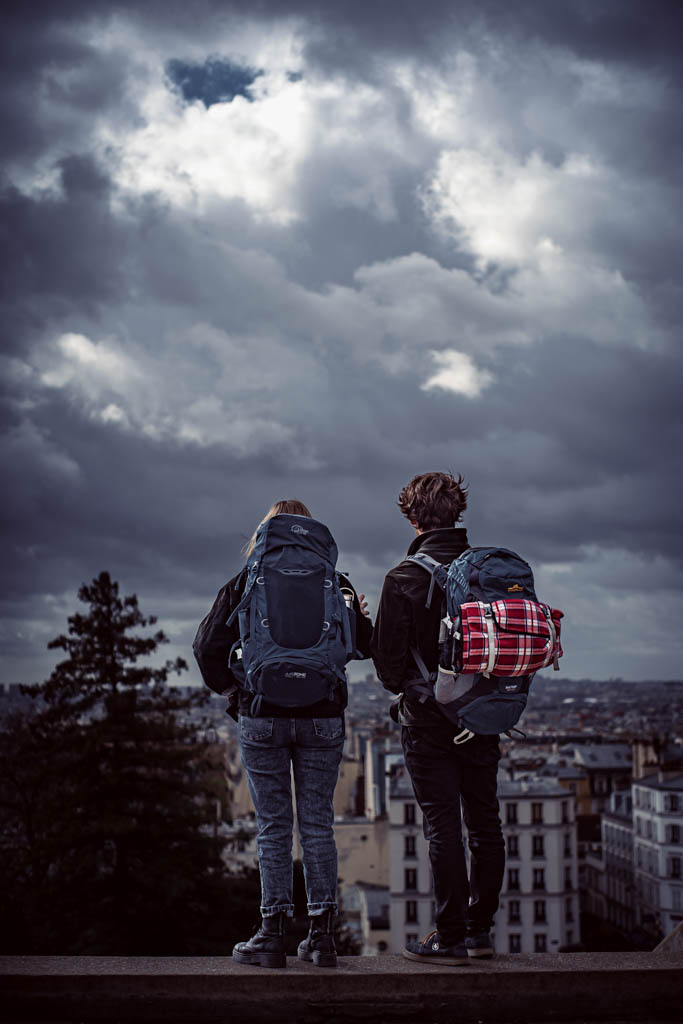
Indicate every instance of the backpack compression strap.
{"type": "Point", "coordinates": [424, 686]}
{"type": "Point", "coordinates": [426, 689]}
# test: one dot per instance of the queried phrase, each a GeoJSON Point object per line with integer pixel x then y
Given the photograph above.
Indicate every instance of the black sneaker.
{"type": "Point", "coordinates": [479, 944]}
{"type": "Point", "coordinates": [431, 951]}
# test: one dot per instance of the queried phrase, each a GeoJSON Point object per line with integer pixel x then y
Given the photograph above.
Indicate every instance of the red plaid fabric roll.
{"type": "Point", "coordinates": [508, 638]}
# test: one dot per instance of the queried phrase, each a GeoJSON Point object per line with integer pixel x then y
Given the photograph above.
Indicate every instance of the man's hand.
{"type": "Point", "coordinates": [364, 605]}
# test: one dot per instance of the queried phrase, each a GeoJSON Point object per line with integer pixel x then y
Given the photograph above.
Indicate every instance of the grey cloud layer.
{"type": "Point", "coordinates": [170, 371]}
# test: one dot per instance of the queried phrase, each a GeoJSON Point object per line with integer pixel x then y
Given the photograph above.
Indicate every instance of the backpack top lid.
{"type": "Point", "coordinates": [488, 574]}
{"type": "Point", "coordinates": [289, 530]}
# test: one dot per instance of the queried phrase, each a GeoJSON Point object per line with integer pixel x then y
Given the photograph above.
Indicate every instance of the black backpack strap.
{"type": "Point", "coordinates": [425, 685]}
{"type": "Point", "coordinates": [246, 596]}
{"type": "Point", "coordinates": [429, 677]}
{"type": "Point", "coordinates": [509, 732]}
{"type": "Point", "coordinates": [436, 570]}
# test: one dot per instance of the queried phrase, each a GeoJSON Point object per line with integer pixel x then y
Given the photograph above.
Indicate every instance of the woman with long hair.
{"type": "Point", "coordinates": [278, 740]}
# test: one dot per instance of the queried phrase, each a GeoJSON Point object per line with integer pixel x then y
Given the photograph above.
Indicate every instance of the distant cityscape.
{"type": "Point", "coordinates": [591, 804]}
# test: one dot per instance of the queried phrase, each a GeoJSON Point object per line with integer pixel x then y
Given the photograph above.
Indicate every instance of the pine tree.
{"type": "Point", "coordinates": [108, 846]}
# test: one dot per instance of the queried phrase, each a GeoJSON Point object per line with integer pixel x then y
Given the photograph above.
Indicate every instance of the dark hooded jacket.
{"type": "Point", "coordinates": [403, 621]}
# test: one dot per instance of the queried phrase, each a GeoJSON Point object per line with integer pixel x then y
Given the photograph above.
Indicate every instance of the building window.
{"type": "Point", "coordinates": [513, 846]}
{"type": "Point", "coordinates": [539, 911]}
{"type": "Point", "coordinates": [540, 945]}
{"type": "Point", "coordinates": [513, 878]}
{"type": "Point", "coordinates": [409, 847]}
{"type": "Point", "coordinates": [676, 901]}
{"type": "Point", "coordinates": [568, 884]}
{"type": "Point", "coordinates": [538, 846]}
{"type": "Point", "coordinates": [411, 911]}
{"type": "Point", "coordinates": [514, 916]}
{"type": "Point", "coordinates": [671, 802]}
{"type": "Point", "coordinates": [515, 943]}
{"type": "Point", "coordinates": [410, 878]}
{"type": "Point", "coordinates": [674, 834]}
{"type": "Point", "coordinates": [569, 909]}
{"type": "Point", "coordinates": [567, 844]}
{"type": "Point", "coordinates": [537, 813]}
{"type": "Point", "coordinates": [409, 814]}
{"type": "Point", "coordinates": [570, 936]}
{"type": "Point", "coordinates": [539, 878]}
{"type": "Point", "coordinates": [565, 812]}
{"type": "Point", "coordinates": [511, 814]}
{"type": "Point", "coordinates": [675, 867]}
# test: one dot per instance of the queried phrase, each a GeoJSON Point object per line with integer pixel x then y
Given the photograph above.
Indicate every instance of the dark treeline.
{"type": "Point", "coordinates": [108, 804]}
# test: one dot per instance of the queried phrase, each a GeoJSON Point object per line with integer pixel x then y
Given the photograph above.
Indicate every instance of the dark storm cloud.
{"type": "Point", "coordinates": [61, 253]}
{"type": "Point", "coordinates": [53, 81]}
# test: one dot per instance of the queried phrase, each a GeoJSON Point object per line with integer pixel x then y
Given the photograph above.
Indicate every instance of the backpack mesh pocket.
{"type": "Point", "coordinates": [296, 606]}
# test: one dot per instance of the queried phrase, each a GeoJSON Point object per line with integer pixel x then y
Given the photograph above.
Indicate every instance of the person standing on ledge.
{"type": "Point", "coordinates": [445, 777]}
{"type": "Point", "coordinates": [276, 643]}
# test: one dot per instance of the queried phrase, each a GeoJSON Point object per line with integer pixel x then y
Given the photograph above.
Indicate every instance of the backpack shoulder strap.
{"type": "Point", "coordinates": [436, 570]}
{"type": "Point", "coordinates": [246, 595]}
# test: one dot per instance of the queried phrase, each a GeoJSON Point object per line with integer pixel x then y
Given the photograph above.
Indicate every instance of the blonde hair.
{"type": "Point", "coordinates": [289, 506]}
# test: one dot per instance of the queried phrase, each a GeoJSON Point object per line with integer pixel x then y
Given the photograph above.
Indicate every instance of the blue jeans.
{"type": "Point", "coordinates": [313, 746]}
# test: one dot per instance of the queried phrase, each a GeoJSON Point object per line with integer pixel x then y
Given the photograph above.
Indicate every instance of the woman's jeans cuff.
{"type": "Point", "coordinates": [279, 908]}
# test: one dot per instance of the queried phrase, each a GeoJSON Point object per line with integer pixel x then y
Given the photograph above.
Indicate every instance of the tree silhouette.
{"type": "Point", "coordinates": [107, 845]}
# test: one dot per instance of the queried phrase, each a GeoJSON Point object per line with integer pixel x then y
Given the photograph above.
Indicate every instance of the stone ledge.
{"type": "Point", "coordinates": [544, 987]}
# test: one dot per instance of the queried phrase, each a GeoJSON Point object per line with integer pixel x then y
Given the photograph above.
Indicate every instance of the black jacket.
{"type": "Point", "coordinates": [403, 622]}
{"type": "Point", "coordinates": [214, 640]}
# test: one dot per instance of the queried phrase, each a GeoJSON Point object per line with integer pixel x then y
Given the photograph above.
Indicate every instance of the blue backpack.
{"type": "Point", "coordinates": [295, 627]}
{"type": "Point", "coordinates": [497, 587]}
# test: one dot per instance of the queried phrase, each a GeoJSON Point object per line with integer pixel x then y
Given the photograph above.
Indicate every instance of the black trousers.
{"type": "Point", "coordinates": [451, 782]}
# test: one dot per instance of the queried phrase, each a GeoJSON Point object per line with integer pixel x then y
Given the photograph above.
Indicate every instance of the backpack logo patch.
{"type": "Point", "coordinates": [295, 675]}
{"type": "Point", "coordinates": [515, 589]}
{"type": "Point", "coordinates": [298, 529]}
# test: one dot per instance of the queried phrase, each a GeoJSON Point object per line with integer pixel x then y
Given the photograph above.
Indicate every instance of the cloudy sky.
{"type": "Point", "coordinates": [285, 249]}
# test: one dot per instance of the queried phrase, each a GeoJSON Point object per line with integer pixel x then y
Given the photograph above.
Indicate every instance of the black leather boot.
{"type": "Point", "coordinates": [267, 947]}
{"type": "Point", "coordinates": [318, 946]}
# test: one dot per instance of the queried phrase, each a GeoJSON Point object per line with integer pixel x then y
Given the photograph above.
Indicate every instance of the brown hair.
{"type": "Point", "coordinates": [433, 500]}
{"type": "Point", "coordinates": [290, 506]}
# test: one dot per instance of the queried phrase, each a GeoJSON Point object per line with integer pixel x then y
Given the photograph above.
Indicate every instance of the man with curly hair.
{"type": "Point", "coordinates": [449, 781]}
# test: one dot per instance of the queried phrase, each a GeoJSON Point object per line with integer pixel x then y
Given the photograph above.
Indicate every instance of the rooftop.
{"type": "Point", "coordinates": [655, 781]}
{"type": "Point", "coordinates": [535, 786]}
{"type": "Point", "coordinates": [604, 755]}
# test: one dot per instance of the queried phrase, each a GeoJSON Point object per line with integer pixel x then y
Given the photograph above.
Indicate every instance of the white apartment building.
{"type": "Point", "coordinates": [617, 884]}
{"type": "Point", "coordinates": [658, 851]}
{"type": "Point", "coordinates": [411, 908]}
{"type": "Point", "coordinates": [539, 908]}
